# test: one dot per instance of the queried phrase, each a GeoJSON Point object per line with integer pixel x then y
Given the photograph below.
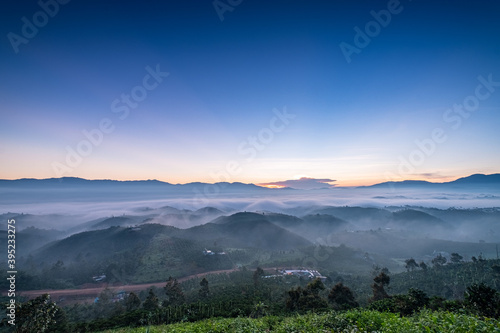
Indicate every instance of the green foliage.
{"type": "Point", "coordinates": [241, 293]}
{"type": "Point", "coordinates": [439, 260]}
{"type": "Point", "coordinates": [104, 305]}
{"type": "Point", "coordinates": [151, 303]}
{"type": "Point", "coordinates": [260, 310]}
{"type": "Point", "coordinates": [483, 300]}
{"type": "Point", "coordinates": [350, 321]}
{"type": "Point", "coordinates": [259, 272]}
{"type": "Point", "coordinates": [423, 265]}
{"type": "Point", "coordinates": [308, 298]}
{"type": "Point", "coordinates": [174, 293]}
{"type": "Point", "coordinates": [448, 281]}
{"type": "Point", "coordinates": [456, 258]}
{"type": "Point", "coordinates": [36, 315]}
{"type": "Point", "coordinates": [379, 282]}
{"type": "Point", "coordinates": [132, 302]}
{"type": "Point", "coordinates": [342, 298]}
{"type": "Point", "coordinates": [411, 264]}
{"type": "Point", "coordinates": [204, 290]}
{"type": "Point", "coordinates": [414, 301]}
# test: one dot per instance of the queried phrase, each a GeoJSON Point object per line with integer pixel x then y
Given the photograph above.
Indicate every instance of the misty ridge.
{"type": "Point", "coordinates": [95, 245]}
{"type": "Point", "coordinates": [419, 216]}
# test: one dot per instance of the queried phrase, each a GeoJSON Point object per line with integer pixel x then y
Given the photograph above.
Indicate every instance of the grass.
{"type": "Point", "coordinates": [350, 321]}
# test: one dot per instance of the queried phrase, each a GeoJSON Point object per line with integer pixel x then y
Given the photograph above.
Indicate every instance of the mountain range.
{"type": "Point", "coordinates": [64, 182]}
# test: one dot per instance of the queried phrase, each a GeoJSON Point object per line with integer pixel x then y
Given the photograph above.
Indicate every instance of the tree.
{"type": "Point", "coordinates": [36, 315]}
{"type": "Point", "coordinates": [103, 306]}
{"type": "Point", "coordinates": [174, 293]}
{"type": "Point", "coordinates": [151, 303]}
{"type": "Point", "coordinates": [204, 290]}
{"type": "Point", "coordinates": [315, 286]}
{"type": "Point", "coordinates": [405, 305]}
{"type": "Point", "coordinates": [483, 300]}
{"type": "Point", "coordinates": [132, 302]}
{"type": "Point", "coordinates": [259, 310]}
{"type": "Point", "coordinates": [342, 298]}
{"type": "Point", "coordinates": [293, 300]}
{"type": "Point", "coordinates": [311, 298]}
{"type": "Point", "coordinates": [411, 264]}
{"type": "Point", "coordinates": [416, 300]}
{"type": "Point", "coordinates": [259, 272]}
{"type": "Point", "coordinates": [60, 324]}
{"type": "Point", "coordinates": [423, 265]}
{"type": "Point", "coordinates": [456, 258]}
{"type": "Point", "coordinates": [380, 281]}
{"type": "Point", "coordinates": [308, 298]}
{"type": "Point", "coordinates": [439, 260]}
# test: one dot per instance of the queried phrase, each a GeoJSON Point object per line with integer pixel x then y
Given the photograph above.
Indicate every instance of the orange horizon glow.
{"type": "Point", "coordinates": [371, 181]}
{"type": "Point", "coordinates": [270, 186]}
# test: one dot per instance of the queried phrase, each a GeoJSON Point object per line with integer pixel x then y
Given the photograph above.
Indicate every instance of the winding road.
{"type": "Point", "coordinates": [87, 295]}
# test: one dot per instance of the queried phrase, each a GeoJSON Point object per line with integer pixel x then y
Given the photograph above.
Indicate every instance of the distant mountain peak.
{"type": "Point", "coordinates": [475, 179]}
{"type": "Point", "coordinates": [479, 178]}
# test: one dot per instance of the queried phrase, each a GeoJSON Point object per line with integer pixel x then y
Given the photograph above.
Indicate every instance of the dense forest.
{"type": "Point", "coordinates": [464, 288]}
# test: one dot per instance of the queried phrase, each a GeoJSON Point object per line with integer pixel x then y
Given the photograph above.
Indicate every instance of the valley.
{"type": "Point", "coordinates": [92, 255]}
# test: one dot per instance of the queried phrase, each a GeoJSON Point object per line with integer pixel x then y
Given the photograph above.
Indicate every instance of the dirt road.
{"type": "Point", "coordinates": [87, 295]}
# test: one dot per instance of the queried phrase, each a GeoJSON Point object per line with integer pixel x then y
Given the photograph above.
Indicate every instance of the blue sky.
{"type": "Point", "coordinates": [355, 122]}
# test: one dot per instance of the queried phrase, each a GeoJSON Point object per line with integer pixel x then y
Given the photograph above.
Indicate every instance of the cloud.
{"type": "Point", "coordinates": [430, 175]}
{"type": "Point", "coordinates": [434, 177]}
{"type": "Point", "coordinates": [303, 183]}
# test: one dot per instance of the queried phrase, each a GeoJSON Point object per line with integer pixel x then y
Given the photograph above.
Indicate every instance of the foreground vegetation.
{"type": "Point", "coordinates": [435, 297]}
{"type": "Point", "coordinates": [251, 304]}
{"type": "Point", "coordinates": [348, 321]}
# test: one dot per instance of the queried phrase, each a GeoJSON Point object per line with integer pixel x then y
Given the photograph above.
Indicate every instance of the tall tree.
{"type": "Point", "coordinates": [204, 290]}
{"type": "Point", "coordinates": [292, 302]}
{"type": "Point", "coordinates": [259, 272]}
{"type": "Point", "coordinates": [342, 298]}
{"type": "Point", "coordinates": [104, 303]}
{"type": "Point", "coordinates": [174, 293]}
{"type": "Point", "coordinates": [151, 303]}
{"type": "Point", "coordinates": [132, 302]}
{"type": "Point", "coordinates": [379, 282]}
{"type": "Point", "coordinates": [423, 265]}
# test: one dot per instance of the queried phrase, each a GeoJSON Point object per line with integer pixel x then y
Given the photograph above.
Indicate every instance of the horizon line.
{"type": "Point", "coordinates": [238, 182]}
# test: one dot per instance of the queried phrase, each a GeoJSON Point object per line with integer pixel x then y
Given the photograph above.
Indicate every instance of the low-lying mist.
{"type": "Point", "coordinates": [443, 214]}
{"type": "Point", "coordinates": [93, 203]}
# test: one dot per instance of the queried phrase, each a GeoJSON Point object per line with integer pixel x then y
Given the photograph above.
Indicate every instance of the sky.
{"type": "Point", "coordinates": [345, 92]}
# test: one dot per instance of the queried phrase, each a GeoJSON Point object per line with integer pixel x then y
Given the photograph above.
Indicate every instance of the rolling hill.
{"type": "Point", "coordinates": [247, 230]}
